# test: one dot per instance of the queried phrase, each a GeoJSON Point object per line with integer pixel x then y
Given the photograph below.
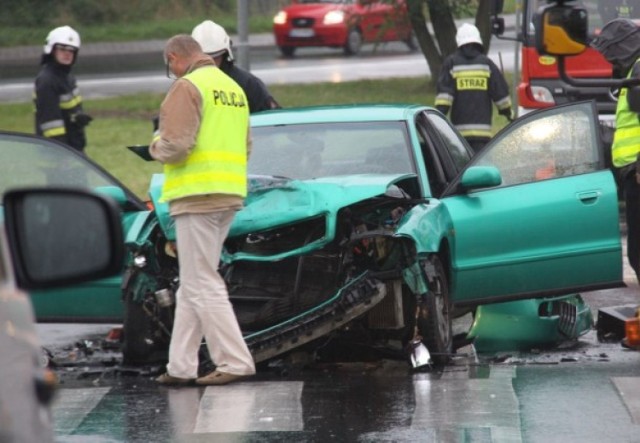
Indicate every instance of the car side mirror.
{"type": "Point", "coordinates": [497, 25]}
{"type": "Point", "coordinates": [477, 177]}
{"type": "Point", "coordinates": [562, 30]}
{"type": "Point", "coordinates": [62, 236]}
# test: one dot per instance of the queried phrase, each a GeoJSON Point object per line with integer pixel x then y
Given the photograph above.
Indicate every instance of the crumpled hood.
{"type": "Point", "coordinates": [274, 202]}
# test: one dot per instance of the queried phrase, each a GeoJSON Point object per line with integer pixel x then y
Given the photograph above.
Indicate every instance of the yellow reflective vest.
{"type": "Point", "coordinates": [217, 163]}
{"type": "Point", "coordinates": [626, 139]}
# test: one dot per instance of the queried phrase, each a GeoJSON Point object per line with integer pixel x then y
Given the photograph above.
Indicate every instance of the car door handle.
{"type": "Point", "coordinates": [588, 197]}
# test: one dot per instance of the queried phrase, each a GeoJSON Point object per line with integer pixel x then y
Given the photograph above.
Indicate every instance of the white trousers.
{"type": "Point", "coordinates": [202, 301]}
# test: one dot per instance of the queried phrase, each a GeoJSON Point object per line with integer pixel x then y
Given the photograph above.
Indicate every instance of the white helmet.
{"type": "Point", "coordinates": [63, 35]}
{"type": "Point", "coordinates": [468, 33]}
{"type": "Point", "coordinates": [213, 39]}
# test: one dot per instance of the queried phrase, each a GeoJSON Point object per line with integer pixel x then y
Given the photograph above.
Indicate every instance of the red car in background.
{"type": "Point", "coordinates": [346, 24]}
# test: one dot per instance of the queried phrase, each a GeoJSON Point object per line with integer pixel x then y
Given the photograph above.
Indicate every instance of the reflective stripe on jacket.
{"type": "Point", "coordinates": [217, 164]}
{"type": "Point", "coordinates": [468, 86]}
{"type": "Point", "coordinates": [626, 139]}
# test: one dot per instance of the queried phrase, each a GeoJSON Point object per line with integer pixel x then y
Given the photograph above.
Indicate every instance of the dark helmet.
{"type": "Point", "coordinates": [619, 42]}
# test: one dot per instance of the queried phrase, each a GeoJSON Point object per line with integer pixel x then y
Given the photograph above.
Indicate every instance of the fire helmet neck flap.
{"type": "Point", "coordinates": [213, 39]}
{"type": "Point", "coordinates": [468, 33]}
{"type": "Point", "coordinates": [63, 35]}
{"type": "Point", "coordinates": [619, 43]}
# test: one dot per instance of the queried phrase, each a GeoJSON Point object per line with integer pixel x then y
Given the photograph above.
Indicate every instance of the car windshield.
{"type": "Point", "coordinates": [32, 161]}
{"type": "Point", "coordinates": [305, 151]}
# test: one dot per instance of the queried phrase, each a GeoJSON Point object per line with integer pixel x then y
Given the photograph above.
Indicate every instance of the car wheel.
{"type": "Point", "coordinates": [434, 321]}
{"type": "Point", "coordinates": [354, 42]}
{"type": "Point", "coordinates": [412, 42]}
{"type": "Point", "coordinates": [287, 51]}
{"type": "Point", "coordinates": [143, 342]}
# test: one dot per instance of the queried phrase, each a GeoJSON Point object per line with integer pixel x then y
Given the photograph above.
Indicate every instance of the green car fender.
{"type": "Point", "coordinates": [138, 228]}
{"type": "Point", "coordinates": [161, 209]}
{"type": "Point", "coordinates": [428, 226]}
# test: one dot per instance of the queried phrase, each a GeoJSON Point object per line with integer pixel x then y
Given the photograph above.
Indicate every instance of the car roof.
{"type": "Point", "coordinates": [337, 113]}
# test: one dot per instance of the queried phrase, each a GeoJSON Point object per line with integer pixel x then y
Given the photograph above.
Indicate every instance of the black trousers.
{"type": "Point", "coordinates": [477, 143]}
{"type": "Point", "coordinates": [631, 190]}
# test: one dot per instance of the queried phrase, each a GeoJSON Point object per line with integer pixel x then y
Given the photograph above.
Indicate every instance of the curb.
{"type": "Point", "coordinates": [104, 58]}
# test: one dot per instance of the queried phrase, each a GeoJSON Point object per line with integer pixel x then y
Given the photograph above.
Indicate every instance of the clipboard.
{"type": "Point", "coordinates": [142, 151]}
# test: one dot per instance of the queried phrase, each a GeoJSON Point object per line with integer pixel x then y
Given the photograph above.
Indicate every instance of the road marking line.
{"type": "Point", "coordinates": [251, 407]}
{"type": "Point", "coordinates": [71, 406]}
{"type": "Point", "coordinates": [463, 408]}
{"type": "Point", "coordinates": [629, 390]}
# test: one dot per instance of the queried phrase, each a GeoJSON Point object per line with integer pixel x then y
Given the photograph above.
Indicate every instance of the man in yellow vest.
{"type": "Point", "coordinates": [203, 141]}
{"type": "Point", "coordinates": [619, 43]}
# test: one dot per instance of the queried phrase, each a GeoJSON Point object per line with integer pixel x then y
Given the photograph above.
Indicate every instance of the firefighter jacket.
{"type": "Point", "coordinates": [57, 103]}
{"type": "Point", "coordinates": [626, 139]}
{"type": "Point", "coordinates": [217, 162]}
{"type": "Point", "coordinates": [468, 84]}
{"type": "Point", "coordinates": [257, 94]}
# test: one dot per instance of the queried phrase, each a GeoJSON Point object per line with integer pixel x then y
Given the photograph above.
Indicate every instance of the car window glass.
{"type": "Point", "coordinates": [28, 161]}
{"type": "Point", "coordinates": [307, 151]}
{"type": "Point", "coordinates": [433, 165]}
{"type": "Point", "coordinates": [557, 145]}
{"type": "Point", "coordinates": [51, 224]}
{"type": "Point", "coordinates": [452, 142]}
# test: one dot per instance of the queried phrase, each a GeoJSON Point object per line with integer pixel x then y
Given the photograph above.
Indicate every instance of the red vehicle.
{"type": "Point", "coordinates": [346, 24]}
{"type": "Point", "coordinates": [539, 83]}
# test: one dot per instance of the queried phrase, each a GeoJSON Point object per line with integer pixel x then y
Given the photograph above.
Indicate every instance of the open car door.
{"type": "Point", "coordinates": [536, 212]}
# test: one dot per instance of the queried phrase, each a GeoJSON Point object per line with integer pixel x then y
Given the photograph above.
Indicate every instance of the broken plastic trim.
{"type": "Point", "coordinates": [359, 296]}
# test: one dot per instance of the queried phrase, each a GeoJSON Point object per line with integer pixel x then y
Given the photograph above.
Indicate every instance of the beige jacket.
{"type": "Point", "coordinates": [180, 115]}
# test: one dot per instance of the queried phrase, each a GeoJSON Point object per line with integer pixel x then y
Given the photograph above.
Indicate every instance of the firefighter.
{"type": "Point", "coordinates": [57, 100]}
{"type": "Point", "coordinates": [215, 42]}
{"type": "Point", "coordinates": [469, 82]}
{"type": "Point", "coordinates": [619, 43]}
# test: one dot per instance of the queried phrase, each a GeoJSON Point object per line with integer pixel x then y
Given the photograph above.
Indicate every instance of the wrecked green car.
{"type": "Point", "coordinates": [373, 224]}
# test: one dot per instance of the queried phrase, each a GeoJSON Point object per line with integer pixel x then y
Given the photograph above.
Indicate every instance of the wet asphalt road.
{"type": "Point", "coordinates": [585, 391]}
{"type": "Point", "coordinates": [129, 69]}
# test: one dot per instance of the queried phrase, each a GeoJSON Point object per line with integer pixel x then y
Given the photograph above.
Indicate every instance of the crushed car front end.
{"type": "Point", "coordinates": [316, 250]}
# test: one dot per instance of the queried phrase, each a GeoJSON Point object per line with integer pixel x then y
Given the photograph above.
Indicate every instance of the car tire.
{"type": "Point", "coordinates": [435, 325]}
{"type": "Point", "coordinates": [141, 344]}
{"type": "Point", "coordinates": [354, 42]}
{"type": "Point", "coordinates": [287, 51]}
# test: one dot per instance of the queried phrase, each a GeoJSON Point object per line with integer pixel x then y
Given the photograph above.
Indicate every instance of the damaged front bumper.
{"type": "Point", "coordinates": [528, 324]}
